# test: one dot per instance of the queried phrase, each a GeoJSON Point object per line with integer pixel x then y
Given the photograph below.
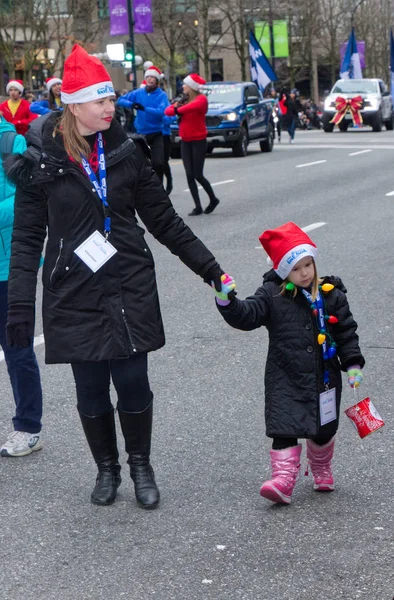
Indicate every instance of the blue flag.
{"type": "Point", "coordinates": [392, 65]}
{"type": "Point", "coordinates": [351, 65]}
{"type": "Point", "coordinates": [261, 72]}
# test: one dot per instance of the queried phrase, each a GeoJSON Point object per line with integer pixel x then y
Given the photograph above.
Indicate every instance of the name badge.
{"type": "Point", "coordinates": [328, 407]}
{"type": "Point", "coordinates": [95, 251]}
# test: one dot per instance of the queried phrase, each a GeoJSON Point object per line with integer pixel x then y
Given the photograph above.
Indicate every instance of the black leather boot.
{"type": "Point", "coordinates": [101, 436]}
{"type": "Point", "coordinates": [137, 431]}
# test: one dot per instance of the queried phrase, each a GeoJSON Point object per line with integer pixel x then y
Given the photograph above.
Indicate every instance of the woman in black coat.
{"type": "Point", "coordinates": [101, 312]}
{"type": "Point", "coordinates": [295, 307]}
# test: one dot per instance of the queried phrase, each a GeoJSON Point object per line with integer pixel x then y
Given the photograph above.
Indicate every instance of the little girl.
{"type": "Point", "coordinates": [312, 338]}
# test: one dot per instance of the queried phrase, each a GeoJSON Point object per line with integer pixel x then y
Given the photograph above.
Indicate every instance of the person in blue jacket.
{"type": "Point", "coordinates": [42, 107]}
{"type": "Point", "coordinates": [21, 362]}
{"type": "Point", "coordinates": [150, 103]}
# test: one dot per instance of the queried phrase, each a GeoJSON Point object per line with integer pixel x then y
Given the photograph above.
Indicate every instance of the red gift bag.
{"type": "Point", "coordinates": [364, 417]}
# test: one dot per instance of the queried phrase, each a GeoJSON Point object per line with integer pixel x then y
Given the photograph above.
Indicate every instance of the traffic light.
{"type": "Point", "coordinates": [129, 52]}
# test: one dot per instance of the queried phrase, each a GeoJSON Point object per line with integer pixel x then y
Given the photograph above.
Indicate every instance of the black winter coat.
{"type": "Point", "coordinates": [114, 312]}
{"type": "Point", "coordinates": [294, 367]}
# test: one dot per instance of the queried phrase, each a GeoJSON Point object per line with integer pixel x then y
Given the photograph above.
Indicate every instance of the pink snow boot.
{"type": "Point", "coordinates": [285, 467]}
{"type": "Point", "coordinates": [319, 459]}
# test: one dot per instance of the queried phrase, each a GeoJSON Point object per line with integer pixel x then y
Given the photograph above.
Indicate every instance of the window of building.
{"type": "Point", "coordinates": [183, 6]}
{"type": "Point", "coordinates": [216, 68]}
{"type": "Point", "coordinates": [103, 10]}
{"type": "Point", "coordinates": [215, 27]}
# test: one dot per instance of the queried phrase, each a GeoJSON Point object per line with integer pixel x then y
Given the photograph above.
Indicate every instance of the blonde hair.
{"type": "Point", "coordinates": [74, 143]}
{"type": "Point", "coordinates": [315, 285]}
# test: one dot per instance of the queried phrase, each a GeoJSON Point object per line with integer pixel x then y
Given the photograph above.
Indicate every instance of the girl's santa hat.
{"type": "Point", "coordinates": [15, 83]}
{"type": "Point", "coordinates": [285, 246]}
{"type": "Point", "coordinates": [153, 72]}
{"type": "Point", "coordinates": [52, 81]}
{"type": "Point", "coordinates": [85, 78]}
{"type": "Point", "coordinates": [194, 81]}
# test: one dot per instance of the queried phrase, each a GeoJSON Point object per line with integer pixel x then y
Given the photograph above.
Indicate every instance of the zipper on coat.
{"type": "Point", "coordinates": [128, 330]}
{"type": "Point", "coordinates": [57, 260]}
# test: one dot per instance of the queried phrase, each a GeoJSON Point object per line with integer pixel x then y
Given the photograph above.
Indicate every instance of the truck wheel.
{"type": "Point", "coordinates": [343, 126]}
{"type": "Point", "coordinates": [267, 145]}
{"type": "Point", "coordinates": [389, 124]}
{"type": "Point", "coordinates": [377, 122]}
{"type": "Point", "coordinates": [241, 145]}
{"type": "Point", "coordinates": [328, 127]}
{"type": "Point", "coordinates": [175, 152]}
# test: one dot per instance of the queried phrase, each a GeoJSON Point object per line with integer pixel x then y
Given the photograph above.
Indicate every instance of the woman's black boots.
{"type": "Point", "coordinates": [137, 432]}
{"type": "Point", "coordinates": [101, 436]}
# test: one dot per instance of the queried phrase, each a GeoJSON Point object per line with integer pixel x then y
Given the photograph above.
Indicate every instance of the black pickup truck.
{"type": "Point", "coordinates": [237, 114]}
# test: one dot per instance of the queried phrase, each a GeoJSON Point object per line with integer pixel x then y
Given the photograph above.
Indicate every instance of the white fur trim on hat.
{"type": "Point", "coordinates": [153, 73]}
{"type": "Point", "coordinates": [52, 81]}
{"type": "Point", "coordinates": [292, 257]}
{"type": "Point", "coordinates": [192, 84]}
{"type": "Point", "coordinates": [14, 84]}
{"type": "Point", "coordinates": [98, 91]}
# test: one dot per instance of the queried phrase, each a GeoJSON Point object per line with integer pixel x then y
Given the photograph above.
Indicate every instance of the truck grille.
{"type": "Point", "coordinates": [213, 121]}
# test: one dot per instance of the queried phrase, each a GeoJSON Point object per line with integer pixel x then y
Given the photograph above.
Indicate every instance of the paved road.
{"type": "Point", "coordinates": [214, 537]}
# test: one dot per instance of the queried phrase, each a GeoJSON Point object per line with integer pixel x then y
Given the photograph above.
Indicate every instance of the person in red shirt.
{"type": "Point", "coordinates": [15, 110]}
{"type": "Point", "coordinates": [193, 134]}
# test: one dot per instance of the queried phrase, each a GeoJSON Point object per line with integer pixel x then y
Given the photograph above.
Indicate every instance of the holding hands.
{"type": "Point", "coordinates": [226, 292]}
{"type": "Point", "coordinates": [355, 376]}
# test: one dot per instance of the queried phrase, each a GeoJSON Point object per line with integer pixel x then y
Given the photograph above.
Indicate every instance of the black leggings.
{"type": "Point", "coordinates": [281, 443]}
{"type": "Point", "coordinates": [193, 157]}
{"type": "Point", "coordinates": [155, 141]}
{"type": "Point", "coordinates": [167, 153]}
{"type": "Point", "coordinates": [129, 376]}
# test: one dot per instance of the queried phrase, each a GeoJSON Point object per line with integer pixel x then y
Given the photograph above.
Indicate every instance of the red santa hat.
{"type": "Point", "coordinates": [52, 81]}
{"type": "Point", "coordinates": [15, 83]}
{"type": "Point", "coordinates": [285, 246]}
{"type": "Point", "coordinates": [85, 78]}
{"type": "Point", "coordinates": [143, 84]}
{"type": "Point", "coordinates": [194, 81]}
{"type": "Point", "coordinates": [153, 72]}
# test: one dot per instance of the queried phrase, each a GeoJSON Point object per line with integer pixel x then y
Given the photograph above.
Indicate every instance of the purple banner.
{"type": "Point", "coordinates": [360, 50]}
{"type": "Point", "coordinates": [118, 17]}
{"type": "Point", "coordinates": [143, 16]}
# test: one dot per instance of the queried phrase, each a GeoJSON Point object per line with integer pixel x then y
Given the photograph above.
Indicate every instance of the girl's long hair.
{"type": "Point", "coordinates": [51, 100]}
{"type": "Point", "coordinates": [74, 143]}
{"type": "Point", "coordinates": [314, 288]}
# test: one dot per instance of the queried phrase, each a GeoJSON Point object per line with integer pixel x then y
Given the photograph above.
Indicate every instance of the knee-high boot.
{"type": "Point", "coordinates": [137, 432]}
{"type": "Point", "coordinates": [100, 433]}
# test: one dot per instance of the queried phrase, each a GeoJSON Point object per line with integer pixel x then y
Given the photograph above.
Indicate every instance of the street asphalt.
{"type": "Point", "coordinates": [213, 536]}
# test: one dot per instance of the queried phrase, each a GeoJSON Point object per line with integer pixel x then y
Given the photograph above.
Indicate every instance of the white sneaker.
{"type": "Point", "coordinates": [21, 443]}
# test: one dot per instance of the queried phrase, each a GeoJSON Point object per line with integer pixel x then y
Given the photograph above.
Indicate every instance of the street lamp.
{"type": "Point", "coordinates": [354, 10]}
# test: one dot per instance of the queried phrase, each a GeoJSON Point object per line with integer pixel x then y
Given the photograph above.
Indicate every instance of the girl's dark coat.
{"type": "Point", "coordinates": [294, 368]}
{"type": "Point", "coordinates": [114, 312]}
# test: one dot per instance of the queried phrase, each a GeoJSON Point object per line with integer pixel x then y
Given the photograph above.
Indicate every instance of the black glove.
{"type": "Point", "coordinates": [214, 274]}
{"type": "Point", "coordinates": [20, 325]}
{"type": "Point", "coordinates": [138, 106]}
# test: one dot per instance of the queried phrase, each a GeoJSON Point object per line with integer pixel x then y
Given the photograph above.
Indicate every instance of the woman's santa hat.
{"type": "Point", "coordinates": [143, 84]}
{"type": "Point", "coordinates": [286, 246]}
{"type": "Point", "coordinates": [15, 83]}
{"type": "Point", "coordinates": [194, 81]}
{"type": "Point", "coordinates": [153, 72]}
{"type": "Point", "coordinates": [85, 78]}
{"type": "Point", "coordinates": [52, 81]}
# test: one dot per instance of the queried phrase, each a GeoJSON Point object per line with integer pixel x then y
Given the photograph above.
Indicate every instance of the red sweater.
{"type": "Point", "coordinates": [192, 125]}
{"type": "Point", "coordinates": [22, 117]}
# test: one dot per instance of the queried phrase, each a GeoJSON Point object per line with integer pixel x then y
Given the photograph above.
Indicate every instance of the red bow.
{"type": "Point", "coordinates": [344, 105]}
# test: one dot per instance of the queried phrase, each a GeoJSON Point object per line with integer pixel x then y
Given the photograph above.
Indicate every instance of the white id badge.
{"type": "Point", "coordinates": [95, 251]}
{"type": "Point", "coordinates": [328, 407]}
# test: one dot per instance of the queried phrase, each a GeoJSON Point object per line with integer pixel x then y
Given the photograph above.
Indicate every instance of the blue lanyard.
{"type": "Point", "coordinates": [101, 188]}
{"type": "Point", "coordinates": [322, 326]}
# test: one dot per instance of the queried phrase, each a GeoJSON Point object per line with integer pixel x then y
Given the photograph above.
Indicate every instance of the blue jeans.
{"type": "Point", "coordinates": [24, 376]}
{"type": "Point", "coordinates": [291, 129]}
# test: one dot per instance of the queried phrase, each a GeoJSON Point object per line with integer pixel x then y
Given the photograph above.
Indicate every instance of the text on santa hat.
{"type": "Point", "coordinates": [295, 254]}
{"type": "Point", "coordinates": [106, 89]}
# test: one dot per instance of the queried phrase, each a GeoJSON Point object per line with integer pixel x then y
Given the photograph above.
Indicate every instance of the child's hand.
{"type": "Point", "coordinates": [227, 291]}
{"type": "Point", "coordinates": [355, 376]}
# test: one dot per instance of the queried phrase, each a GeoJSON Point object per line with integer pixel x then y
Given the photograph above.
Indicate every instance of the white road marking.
{"type": "Point", "coordinates": [359, 152]}
{"type": "Point", "coordinates": [390, 194]}
{"type": "Point", "coordinates": [214, 184]}
{"type": "Point", "coordinates": [37, 342]}
{"type": "Point", "coordinates": [314, 146]}
{"type": "Point", "coordinates": [306, 229]}
{"type": "Point", "coordinates": [316, 162]}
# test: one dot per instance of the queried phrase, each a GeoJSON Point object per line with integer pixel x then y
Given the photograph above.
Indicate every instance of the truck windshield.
{"type": "Point", "coordinates": [224, 94]}
{"type": "Point", "coordinates": [355, 86]}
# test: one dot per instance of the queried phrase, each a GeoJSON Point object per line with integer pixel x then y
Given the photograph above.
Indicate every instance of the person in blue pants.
{"type": "Point", "coordinates": [21, 363]}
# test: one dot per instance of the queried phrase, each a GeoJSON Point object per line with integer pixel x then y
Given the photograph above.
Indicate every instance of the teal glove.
{"type": "Point", "coordinates": [227, 292]}
{"type": "Point", "coordinates": [355, 376]}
